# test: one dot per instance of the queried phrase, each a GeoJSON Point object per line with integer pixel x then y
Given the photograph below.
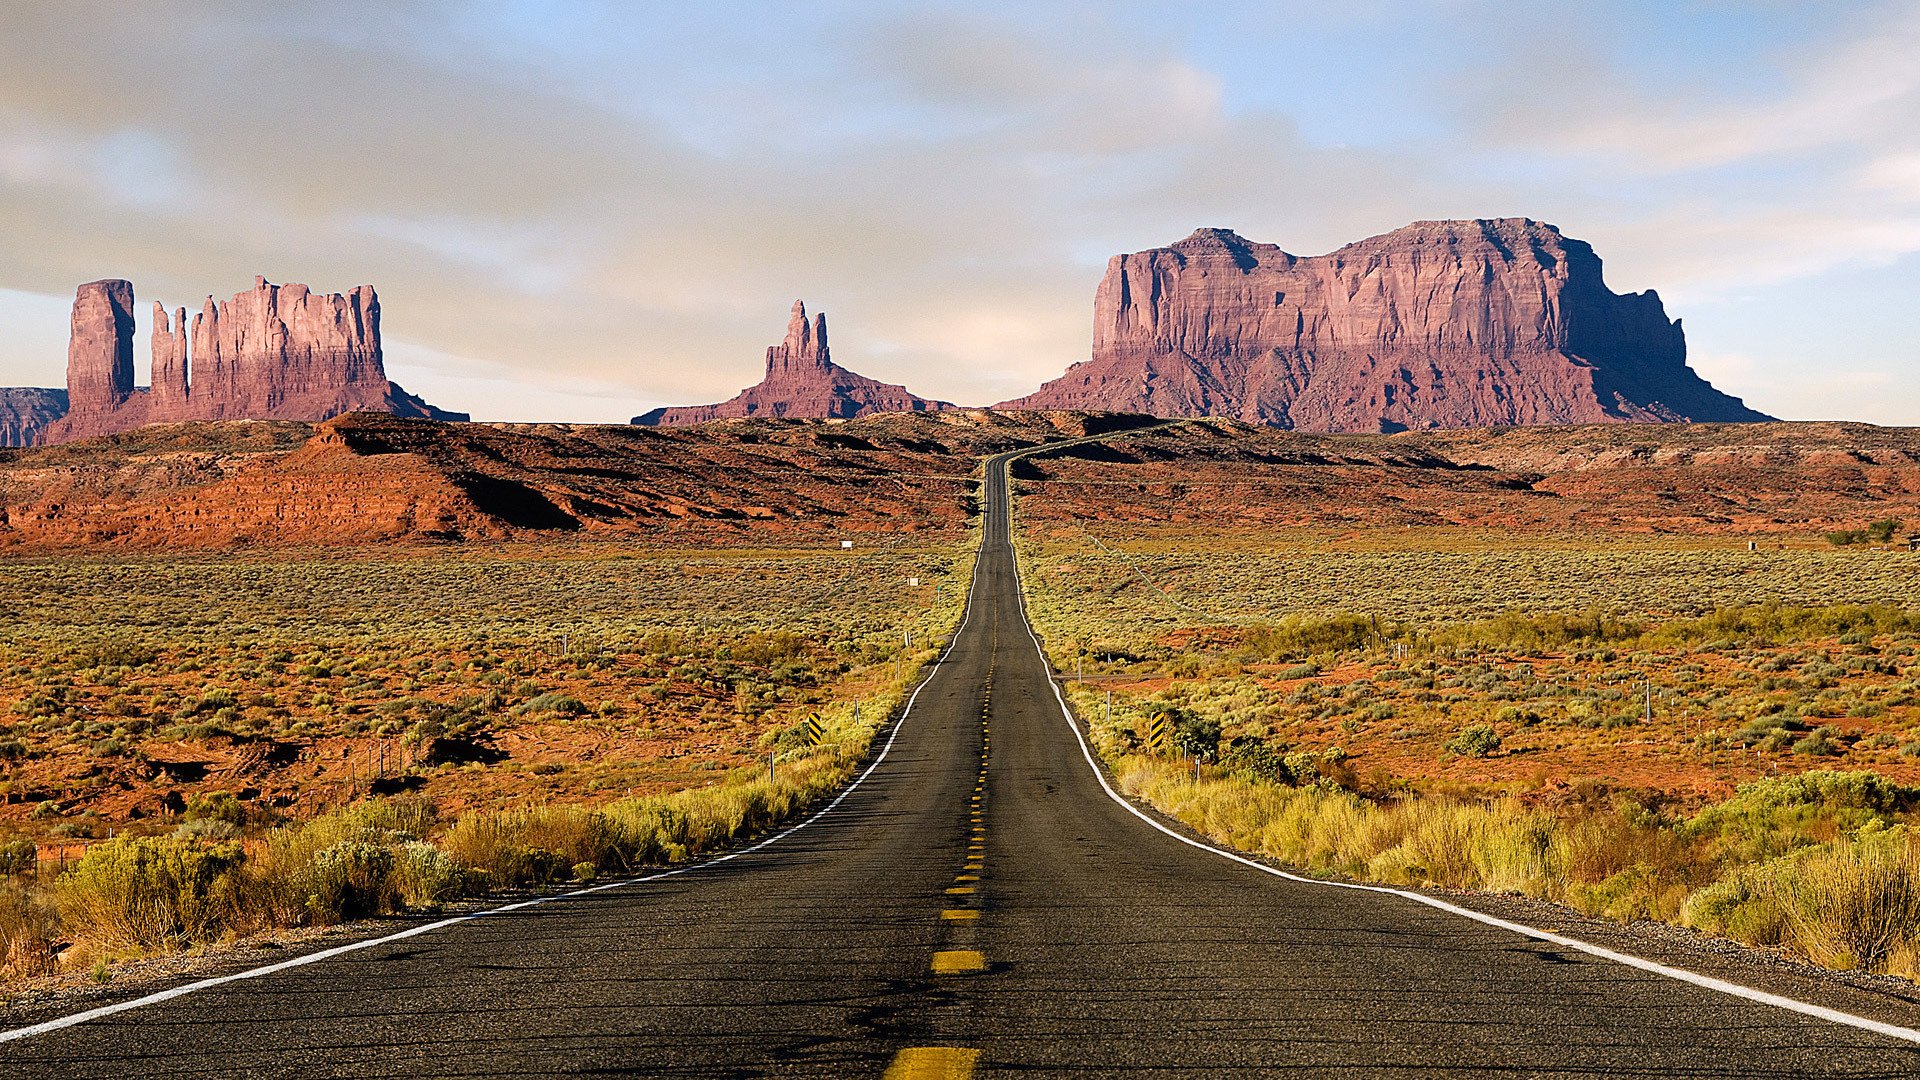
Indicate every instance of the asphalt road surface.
{"type": "Point", "coordinates": [977, 903]}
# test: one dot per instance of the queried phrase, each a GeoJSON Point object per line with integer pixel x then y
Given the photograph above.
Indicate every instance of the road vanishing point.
{"type": "Point", "coordinates": [978, 903]}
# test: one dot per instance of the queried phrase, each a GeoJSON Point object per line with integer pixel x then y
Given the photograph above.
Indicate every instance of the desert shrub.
{"type": "Point", "coordinates": [1852, 903]}
{"type": "Point", "coordinates": [17, 856]}
{"type": "Point", "coordinates": [1515, 629]}
{"type": "Point", "coordinates": [1475, 740]}
{"type": "Point", "coordinates": [1819, 743]}
{"type": "Point", "coordinates": [215, 806]}
{"type": "Point", "coordinates": [531, 846]}
{"type": "Point", "coordinates": [1256, 760]}
{"type": "Point", "coordinates": [1196, 735]}
{"type": "Point", "coordinates": [348, 879]}
{"type": "Point", "coordinates": [112, 653]}
{"type": "Point", "coordinates": [426, 877]}
{"type": "Point", "coordinates": [553, 703]}
{"type": "Point", "coordinates": [352, 862]}
{"type": "Point", "coordinates": [140, 893]}
{"type": "Point", "coordinates": [1299, 636]}
{"type": "Point", "coordinates": [28, 932]}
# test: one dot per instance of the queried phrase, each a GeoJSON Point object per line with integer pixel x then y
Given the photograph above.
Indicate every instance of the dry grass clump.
{"type": "Point", "coordinates": [146, 892]}
{"type": "Point", "coordinates": [27, 932]}
{"type": "Point", "coordinates": [1850, 901]}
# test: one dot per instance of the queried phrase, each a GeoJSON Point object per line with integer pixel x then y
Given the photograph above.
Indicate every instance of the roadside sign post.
{"type": "Point", "coordinates": [1159, 740]}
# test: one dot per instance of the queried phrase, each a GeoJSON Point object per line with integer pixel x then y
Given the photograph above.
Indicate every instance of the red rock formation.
{"type": "Point", "coordinates": [26, 411]}
{"type": "Point", "coordinates": [100, 350]}
{"type": "Point", "coordinates": [275, 352]}
{"type": "Point", "coordinates": [802, 381]}
{"type": "Point", "coordinates": [169, 361]}
{"type": "Point", "coordinates": [1441, 324]}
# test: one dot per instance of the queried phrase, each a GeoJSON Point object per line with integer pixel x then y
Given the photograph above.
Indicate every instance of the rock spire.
{"type": "Point", "coordinates": [802, 381]}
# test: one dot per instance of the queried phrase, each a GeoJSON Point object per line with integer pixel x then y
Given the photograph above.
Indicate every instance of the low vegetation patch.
{"type": "Point", "coordinates": [139, 895]}
{"type": "Point", "coordinates": [1639, 729]}
{"type": "Point", "coordinates": [208, 749]}
{"type": "Point", "coordinates": [1850, 901]}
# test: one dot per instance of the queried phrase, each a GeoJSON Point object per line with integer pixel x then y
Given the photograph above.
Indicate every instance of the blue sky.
{"type": "Point", "coordinates": [579, 211]}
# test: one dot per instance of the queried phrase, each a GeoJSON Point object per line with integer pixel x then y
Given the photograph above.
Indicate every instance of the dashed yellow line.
{"type": "Point", "coordinates": [958, 962]}
{"type": "Point", "coordinates": [932, 1063]}
{"type": "Point", "coordinates": [959, 914]}
{"type": "Point", "coordinates": [961, 890]}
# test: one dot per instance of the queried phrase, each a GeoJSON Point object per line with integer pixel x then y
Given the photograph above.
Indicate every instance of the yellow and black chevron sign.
{"type": "Point", "coordinates": [814, 732]}
{"type": "Point", "coordinates": [1159, 735]}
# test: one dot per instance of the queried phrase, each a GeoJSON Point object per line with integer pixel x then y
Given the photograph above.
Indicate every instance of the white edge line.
{"type": "Point", "coordinates": [1707, 982]}
{"type": "Point", "coordinates": [156, 998]}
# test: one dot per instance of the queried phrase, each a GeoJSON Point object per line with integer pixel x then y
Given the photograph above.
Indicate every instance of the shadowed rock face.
{"type": "Point", "coordinates": [803, 382]}
{"type": "Point", "coordinates": [275, 352]}
{"type": "Point", "coordinates": [25, 411]}
{"type": "Point", "coordinates": [1442, 324]}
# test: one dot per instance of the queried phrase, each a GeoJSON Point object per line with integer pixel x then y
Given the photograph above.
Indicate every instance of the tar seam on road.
{"type": "Point", "coordinates": [1707, 982]}
{"type": "Point", "coordinates": [156, 998]}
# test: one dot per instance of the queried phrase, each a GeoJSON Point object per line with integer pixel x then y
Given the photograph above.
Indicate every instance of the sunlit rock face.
{"type": "Point", "coordinates": [1442, 324]}
{"type": "Point", "coordinates": [274, 352]}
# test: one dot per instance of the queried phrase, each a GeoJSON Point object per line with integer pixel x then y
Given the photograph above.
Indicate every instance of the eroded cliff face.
{"type": "Point", "coordinates": [803, 382]}
{"type": "Point", "coordinates": [1442, 324]}
{"type": "Point", "coordinates": [274, 352]}
{"type": "Point", "coordinates": [27, 411]}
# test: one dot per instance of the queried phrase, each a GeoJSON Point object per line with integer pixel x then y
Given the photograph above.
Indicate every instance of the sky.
{"type": "Point", "coordinates": [578, 211]}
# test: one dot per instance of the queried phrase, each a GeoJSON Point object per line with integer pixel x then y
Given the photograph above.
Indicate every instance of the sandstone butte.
{"type": "Point", "coordinates": [1441, 324]}
{"type": "Point", "coordinates": [802, 381]}
{"type": "Point", "coordinates": [274, 352]}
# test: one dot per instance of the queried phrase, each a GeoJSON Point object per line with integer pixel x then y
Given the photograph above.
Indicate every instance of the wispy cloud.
{"type": "Point", "coordinates": [627, 201]}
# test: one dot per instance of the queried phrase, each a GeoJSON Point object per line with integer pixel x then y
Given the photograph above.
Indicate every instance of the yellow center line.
{"type": "Point", "coordinates": [958, 962]}
{"type": "Point", "coordinates": [932, 1063]}
{"type": "Point", "coordinates": [961, 890]}
{"type": "Point", "coordinates": [967, 877]}
{"type": "Point", "coordinates": [959, 914]}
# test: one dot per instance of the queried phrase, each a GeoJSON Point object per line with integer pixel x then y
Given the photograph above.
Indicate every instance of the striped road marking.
{"type": "Point", "coordinates": [958, 962]}
{"type": "Point", "coordinates": [932, 1063]}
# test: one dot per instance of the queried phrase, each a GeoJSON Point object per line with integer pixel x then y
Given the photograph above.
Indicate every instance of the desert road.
{"type": "Point", "coordinates": [977, 904]}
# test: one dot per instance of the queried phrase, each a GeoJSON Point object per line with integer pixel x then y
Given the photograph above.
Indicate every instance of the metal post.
{"type": "Point", "coordinates": [770, 767]}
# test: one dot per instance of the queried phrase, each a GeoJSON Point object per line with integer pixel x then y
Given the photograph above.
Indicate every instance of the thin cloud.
{"type": "Point", "coordinates": [628, 203]}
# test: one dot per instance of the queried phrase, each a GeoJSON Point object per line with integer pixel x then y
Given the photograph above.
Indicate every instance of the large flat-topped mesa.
{"type": "Point", "coordinates": [274, 352]}
{"type": "Point", "coordinates": [802, 381]}
{"type": "Point", "coordinates": [1441, 324]}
